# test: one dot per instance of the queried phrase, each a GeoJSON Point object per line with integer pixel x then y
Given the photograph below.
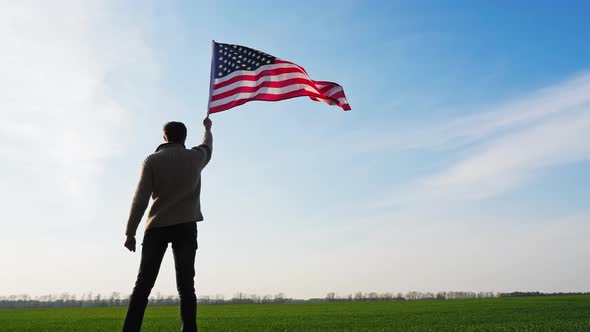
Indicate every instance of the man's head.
{"type": "Point", "coordinates": [175, 132]}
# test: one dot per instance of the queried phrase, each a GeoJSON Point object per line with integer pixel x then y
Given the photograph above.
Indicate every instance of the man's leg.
{"type": "Point", "coordinates": [184, 246]}
{"type": "Point", "coordinates": [154, 247]}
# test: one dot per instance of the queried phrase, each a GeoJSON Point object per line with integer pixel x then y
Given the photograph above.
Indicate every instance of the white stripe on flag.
{"type": "Point", "coordinates": [333, 91]}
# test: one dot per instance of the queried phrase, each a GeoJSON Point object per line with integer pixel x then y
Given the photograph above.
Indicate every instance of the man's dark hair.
{"type": "Point", "coordinates": [175, 131]}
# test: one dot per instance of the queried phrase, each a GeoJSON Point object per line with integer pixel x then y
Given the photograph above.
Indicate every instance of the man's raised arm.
{"type": "Point", "coordinates": [207, 146]}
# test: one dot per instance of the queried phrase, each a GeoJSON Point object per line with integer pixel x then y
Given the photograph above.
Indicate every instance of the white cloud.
{"type": "Point", "coordinates": [547, 129]}
{"type": "Point", "coordinates": [567, 96]}
{"type": "Point", "coordinates": [507, 162]}
{"type": "Point", "coordinates": [60, 112]}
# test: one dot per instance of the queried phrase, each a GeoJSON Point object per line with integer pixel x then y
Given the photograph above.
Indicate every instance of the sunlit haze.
{"type": "Point", "coordinates": [463, 164]}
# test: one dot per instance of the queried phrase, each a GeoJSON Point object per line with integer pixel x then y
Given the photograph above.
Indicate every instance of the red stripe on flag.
{"type": "Point", "coordinates": [277, 61]}
{"type": "Point", "coordinates": [263, 96]}
{"type": "Point", "coordinates": [277, 97]}
{"type": "Point", "coordinates": [265, 84]}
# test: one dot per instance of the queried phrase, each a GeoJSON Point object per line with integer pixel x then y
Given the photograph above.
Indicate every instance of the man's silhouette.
{"type": "Point", "coordinates": [172, 176]}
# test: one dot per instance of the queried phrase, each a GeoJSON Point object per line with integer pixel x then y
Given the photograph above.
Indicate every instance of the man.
{"type": "Point", "coordinates": [172, 176]}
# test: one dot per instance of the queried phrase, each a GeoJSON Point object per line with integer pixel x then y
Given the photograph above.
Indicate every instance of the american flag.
{"type": "Point", "coordinates": [240, 74]}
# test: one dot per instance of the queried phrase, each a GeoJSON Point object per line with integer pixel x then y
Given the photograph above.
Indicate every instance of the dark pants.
{"type": "Point", "coordinates": [184, 246]}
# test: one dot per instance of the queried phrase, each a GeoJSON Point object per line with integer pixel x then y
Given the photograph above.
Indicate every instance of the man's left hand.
{"type": "Point", "coordinates": [130, 243]}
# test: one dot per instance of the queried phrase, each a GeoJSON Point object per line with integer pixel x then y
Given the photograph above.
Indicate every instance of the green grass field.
{"type": "Point", "coordinates": [551, 313]}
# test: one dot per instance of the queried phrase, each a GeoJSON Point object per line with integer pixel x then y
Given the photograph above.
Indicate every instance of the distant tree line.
{"type": "Point", "coordinates": [115, 299]}
{"type": "Point", "coordinates": [520, 294]}
{"type": "Point", "coordinates": [409, 296]}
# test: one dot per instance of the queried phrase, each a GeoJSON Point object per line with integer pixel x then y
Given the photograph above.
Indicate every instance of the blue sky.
{"type": "Point", "coordinates": [462, 165]}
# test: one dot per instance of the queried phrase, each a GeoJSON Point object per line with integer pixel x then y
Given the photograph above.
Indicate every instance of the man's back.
{"type": "Point", "coordinates": [172, 176]}
{"type": "Point", "coordinates": [176, 184]}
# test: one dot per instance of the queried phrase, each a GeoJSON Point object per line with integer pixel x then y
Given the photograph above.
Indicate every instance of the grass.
{"type": "Point", "coordinates": [550, 313]}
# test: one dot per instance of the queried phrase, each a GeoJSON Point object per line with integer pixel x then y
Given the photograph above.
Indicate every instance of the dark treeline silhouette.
{"type": "Point", "coordinates": [67, 300]}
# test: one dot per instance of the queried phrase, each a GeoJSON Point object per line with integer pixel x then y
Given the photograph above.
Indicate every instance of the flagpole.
{"type": "Point", "coordinates": [211, 76]}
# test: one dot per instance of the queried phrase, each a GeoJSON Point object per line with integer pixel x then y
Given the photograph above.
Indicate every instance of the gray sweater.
{"type": "Point", "coordinates": [172, 176]}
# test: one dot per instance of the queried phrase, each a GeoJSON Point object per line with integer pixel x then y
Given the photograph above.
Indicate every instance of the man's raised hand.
{"type": "Point", "coordinates": [207, 123]}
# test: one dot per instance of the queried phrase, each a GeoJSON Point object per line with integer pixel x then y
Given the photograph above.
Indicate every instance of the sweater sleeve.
{"type": "Point", "coordinates": [140, 199]}
{"type": "Point", "coordinates": [206, 148]}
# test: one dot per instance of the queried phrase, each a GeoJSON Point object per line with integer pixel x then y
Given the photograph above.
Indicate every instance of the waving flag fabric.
{"type": "Point", "coordinates": [240, 74]}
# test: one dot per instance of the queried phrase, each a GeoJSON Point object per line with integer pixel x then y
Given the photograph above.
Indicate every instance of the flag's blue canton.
{"type": "Point", "coordinates": [229, 58]}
